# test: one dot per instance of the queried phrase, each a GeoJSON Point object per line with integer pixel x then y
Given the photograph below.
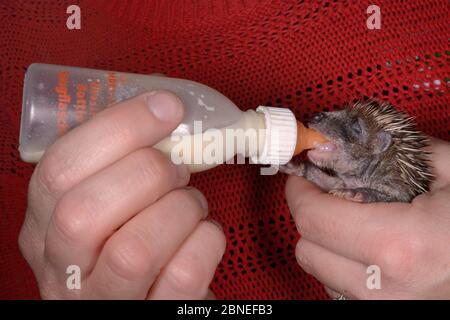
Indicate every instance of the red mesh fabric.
{"type": "Point", "coordinates": [304, 55]}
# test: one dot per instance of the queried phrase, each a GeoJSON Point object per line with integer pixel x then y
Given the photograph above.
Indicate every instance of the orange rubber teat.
{"type": "Point", "coordinates": [307, 138]}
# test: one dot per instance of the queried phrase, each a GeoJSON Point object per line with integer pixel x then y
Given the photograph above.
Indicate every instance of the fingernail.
{"type": "Point", "coordinates": [217, 223]}
{"type": "Point", "coordinates": [164, 105]}
{"type": "Point", "coordinates": [182, 171]}
{"type": "Point", "coordinates": [200, 197]}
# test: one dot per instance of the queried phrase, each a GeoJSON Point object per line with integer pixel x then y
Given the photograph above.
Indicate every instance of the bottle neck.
{"type": "Point", "coordinates": [280, 135]}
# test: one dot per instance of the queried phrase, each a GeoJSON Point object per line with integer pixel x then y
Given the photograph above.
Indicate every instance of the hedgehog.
{"type": "Point", "coordinates": [374, 153]}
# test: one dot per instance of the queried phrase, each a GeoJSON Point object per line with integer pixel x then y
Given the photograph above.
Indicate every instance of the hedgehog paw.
{"type": "Point", "coordinates": [348, 194]}
{"type": "Point", "coordinates": [296, 169]}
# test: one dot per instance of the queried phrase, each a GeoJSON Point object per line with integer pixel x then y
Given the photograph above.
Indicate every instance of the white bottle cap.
{"type": "Point", "coordinates": [280, 137]}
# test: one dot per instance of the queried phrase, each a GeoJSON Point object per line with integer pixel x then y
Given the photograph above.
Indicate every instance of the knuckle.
{"type": "Point", "coordinates": [51, 174]}
{"type": "Point", "coordinates": [119, 128]}
{"type": "Point", "coordinates": [301, 213]}
{"type": "Point", "coordinates": [399, 257]}
{"type": "Point", "coordinates": [301, 225]}
{"type": "Point", "coordinates": [303, 222]}
{"type": "Point", "coordinates": [72, 218]}
{"type": "Point", "coordinates": [186, 199]}
{"type": "Point", "coordinates": [302, 257]}
{"type": "Point", "coordinates": [130, 258]}
{"type": "Point", "coordinates": [186, 275]}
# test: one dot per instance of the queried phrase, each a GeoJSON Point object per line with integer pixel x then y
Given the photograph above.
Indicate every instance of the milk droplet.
{"type": "Point", "coordinates": [203, 104]}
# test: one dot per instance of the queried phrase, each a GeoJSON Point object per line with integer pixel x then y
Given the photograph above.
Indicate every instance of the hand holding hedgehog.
{"type": "Point", "coordinates": [341, 239]}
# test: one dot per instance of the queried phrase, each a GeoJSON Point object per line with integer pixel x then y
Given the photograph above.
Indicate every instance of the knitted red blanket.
{"type": "Point", "coordinates": [304, 55]}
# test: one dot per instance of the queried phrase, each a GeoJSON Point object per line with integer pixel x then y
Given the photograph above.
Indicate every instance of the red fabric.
{"type": "Point", "coordinates": [305, 55]}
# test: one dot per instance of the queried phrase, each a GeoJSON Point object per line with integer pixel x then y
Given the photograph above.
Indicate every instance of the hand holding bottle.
{"type": "Point", "coordinates": [104, 200]}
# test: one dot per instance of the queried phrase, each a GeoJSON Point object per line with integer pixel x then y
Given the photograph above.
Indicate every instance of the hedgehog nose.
{"type": "Point", "coordinates": [317, 117]}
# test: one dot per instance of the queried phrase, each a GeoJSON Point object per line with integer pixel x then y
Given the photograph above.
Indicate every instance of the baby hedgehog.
{"type": "Point", "coordinates": [374, 154]}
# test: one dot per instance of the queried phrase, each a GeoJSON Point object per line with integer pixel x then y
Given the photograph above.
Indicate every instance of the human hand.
{"type": "Point", "coordinates": [103, 199]}
{"type": "Point", "coordinates": [409, 242]}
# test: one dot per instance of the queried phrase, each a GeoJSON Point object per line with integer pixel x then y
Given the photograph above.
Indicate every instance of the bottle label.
{"type": "Point", "coordinates": [80, 98]}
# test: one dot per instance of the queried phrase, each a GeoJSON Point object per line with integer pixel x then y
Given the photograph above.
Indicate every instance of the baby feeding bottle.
{"type": "Point", "coordinates": [214, 130]}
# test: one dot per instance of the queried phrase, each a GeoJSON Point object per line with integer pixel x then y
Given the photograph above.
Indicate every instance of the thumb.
{"type": "Point", "coordinates": [165, 107]}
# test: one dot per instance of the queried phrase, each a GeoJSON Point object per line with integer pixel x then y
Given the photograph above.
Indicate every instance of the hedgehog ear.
{"type": "Point", "coordinates": [383, 141]}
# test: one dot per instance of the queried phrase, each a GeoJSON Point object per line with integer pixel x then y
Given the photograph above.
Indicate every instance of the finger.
{"type": "Point", "coordinates": [110, 135]}
{"type": "Point", "coordinates": [342, 275]}
{"type": "Point", "coordinates": [189, 273]}
{"type": "Point", "coordinates": [91, 211]}
{"type": "Point", "coordinates": [440, 155]}
{"type": "Point", "coordinates": [348, 228]}
{"type": "Point", "coordinates": [133, 257]}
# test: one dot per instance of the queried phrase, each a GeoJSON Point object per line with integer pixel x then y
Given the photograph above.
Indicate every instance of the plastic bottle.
{"type": "Point", "coordinates": [58, 98]}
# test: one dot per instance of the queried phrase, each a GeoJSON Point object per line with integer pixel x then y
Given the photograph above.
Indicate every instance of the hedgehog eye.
{"type": "Point", "coordinates": [356, 128]}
